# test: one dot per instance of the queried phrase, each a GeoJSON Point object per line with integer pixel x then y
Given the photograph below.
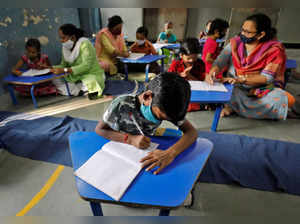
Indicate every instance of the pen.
{"type": "Point", "coordinates": [136, 124]}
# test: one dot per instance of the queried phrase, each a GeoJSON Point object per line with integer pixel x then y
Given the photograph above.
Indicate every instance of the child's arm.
{"type": "Point", "coordinates": [16, 68]}
{"type": "Point", "coordinates": [162, 158]}
{"type": "Point", "coordinates": [138, 141]}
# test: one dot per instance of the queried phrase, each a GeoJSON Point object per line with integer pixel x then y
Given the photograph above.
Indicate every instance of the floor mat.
{"type": "Point", "coordinates": [247, 161]}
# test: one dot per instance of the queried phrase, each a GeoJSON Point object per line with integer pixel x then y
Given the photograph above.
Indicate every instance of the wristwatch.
{"type": "Point", "coordinates": [66, 70]}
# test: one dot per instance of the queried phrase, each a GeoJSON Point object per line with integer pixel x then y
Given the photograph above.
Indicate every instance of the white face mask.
{"type": "Point", "coordinates": [68, 44]}
{"type": "Point", "coordinates": [140, 42]}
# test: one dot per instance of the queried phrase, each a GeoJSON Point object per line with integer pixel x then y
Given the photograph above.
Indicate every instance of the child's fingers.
{"type": "Point", "coordinates": [153, 165]}
{"type": "Point", "coordinates": [148, 162]}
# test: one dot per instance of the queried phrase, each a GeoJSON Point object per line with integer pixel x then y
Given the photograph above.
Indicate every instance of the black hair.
{"type": "Point", "coordinates": [114, 21]}
{"type": "Point", "coordinates": [32, 42]}
{"type": "Point", "coordinates": [70, 30]}
{"type": "Point", "coordinates": [263, 23]}
{"type": "Point", "coordinates": [171, 94]}
{"type": "Point", "coordinates": [217, 25]}
{"type": "Point", "coordinates": [190, 46]}
{"type": "Point", "coordinates": [143, 30]}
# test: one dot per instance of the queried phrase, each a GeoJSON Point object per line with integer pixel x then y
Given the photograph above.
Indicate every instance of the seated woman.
{"type": "Point", "coordinates": [142, 45]}
{"type": "Point", "coordinates": [256, 66]}
{"type": "Point", "coordinates": [80, 61]}
{"type": "Point", "coordinates": [189, 66]}
{"type": "Point", "coordinates": [211, 50]}
{"type": "Point", "coordinates": [110, 44]}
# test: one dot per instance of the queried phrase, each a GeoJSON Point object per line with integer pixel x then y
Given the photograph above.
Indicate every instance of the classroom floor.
{"type": "Point", "coordinates": [21, 180]}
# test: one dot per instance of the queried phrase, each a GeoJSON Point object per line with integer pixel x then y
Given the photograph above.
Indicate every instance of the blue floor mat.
{"type": "Point", "coordinates": [250, 162]}
{"type": "Point", "coordinates": [118, 87]}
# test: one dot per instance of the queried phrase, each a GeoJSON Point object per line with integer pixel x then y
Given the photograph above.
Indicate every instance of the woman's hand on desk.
{"type": "Point", "coordinates": [157, 158]}
{"type": "Point", "coordinates": [58, 71]}
{"type": "Point", "coordinates": [230, 80]}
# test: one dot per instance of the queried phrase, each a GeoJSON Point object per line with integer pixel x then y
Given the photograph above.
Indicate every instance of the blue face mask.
{"type": "Point", "coordinates": [147, 113]}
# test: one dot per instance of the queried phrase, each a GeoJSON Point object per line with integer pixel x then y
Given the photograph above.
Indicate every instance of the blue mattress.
{"type": "Point", "coordinates": [247, 161]}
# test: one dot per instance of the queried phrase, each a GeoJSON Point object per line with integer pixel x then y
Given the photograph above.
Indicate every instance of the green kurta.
{"type": "Point", "coordinates": [86, 69]}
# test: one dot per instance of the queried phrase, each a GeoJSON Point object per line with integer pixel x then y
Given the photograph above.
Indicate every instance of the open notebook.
{"type": "Point", "coordinates": [134, 56]}
{"type": "Point", "coordinates": [113, 168]}
{"type": "Point", "coordinates": [35, 72]}
{"type": "Point", "coordinates": [204, 86]}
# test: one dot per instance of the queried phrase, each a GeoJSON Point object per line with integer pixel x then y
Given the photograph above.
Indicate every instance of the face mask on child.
{"type": "Point", "coordinates": [140, 42]}
{"type": "Point", "coordinates": [168, 31]}
{"type": "Point", "coordinates": [147, 113]}
{"type": "Point", "coordinates": [68, 44]}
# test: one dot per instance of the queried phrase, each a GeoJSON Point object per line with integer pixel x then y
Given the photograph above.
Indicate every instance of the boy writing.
{"type": "Point", "coordinates": [166, 98]}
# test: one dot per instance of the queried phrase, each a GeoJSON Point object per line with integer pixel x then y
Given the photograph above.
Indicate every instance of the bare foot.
{"type": "Point", "coordinates": [226, 111]}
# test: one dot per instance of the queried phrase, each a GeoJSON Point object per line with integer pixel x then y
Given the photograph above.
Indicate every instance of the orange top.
{"type": "Point", "coordinates": [146, 48]}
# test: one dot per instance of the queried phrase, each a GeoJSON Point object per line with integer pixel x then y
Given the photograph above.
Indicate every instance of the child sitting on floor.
{"type": "Point", "coordinates": [33, 59]}
{"type": "Point", "coordinates": [142, 45]}
{"type": "Point", "coordinates": [189, 66]}
{"type": "Point", "coordinates": [129, 117]}
{"type": "Point", "coordinates": [211, 50]}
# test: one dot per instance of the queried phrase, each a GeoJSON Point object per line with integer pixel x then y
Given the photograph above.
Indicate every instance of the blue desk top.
{"type": "Point", "coordinates": [290, 63]}
{"type": "Point", "coordinates": [31, 80]}
{"type": "Point", "coordinates": [144, 60]}
{"type": "Point", "coordinates": [212, 96]}
{"type": "Point", "coordinates": [218, 40]}
{"type": "Point", "coordinates": [168, 189]}
{"type": "Point", "coordinates": [172, 46]}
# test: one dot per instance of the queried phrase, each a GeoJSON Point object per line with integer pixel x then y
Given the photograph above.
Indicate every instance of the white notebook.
{"type": "Point", "coordinates": [35, 72]}
{"type": "Point", "coordinates": [113, 168]}
{"type": "Point", "coordinates": [204, 86]}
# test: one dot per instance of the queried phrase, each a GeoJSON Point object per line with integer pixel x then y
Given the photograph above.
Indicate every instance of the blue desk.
{"type": "Point", "coordinates": [201, 41]}
{"type": "Point", "coordinates": [12, 80]}
{"type": "Point", "coordinates": [209, 97]}
{"type": "Point", "coordinates": [165, 191]}
{"type": "Point", "coordinates": [147, 59]}
{"type": "Point", "coordinates": [291, 64]}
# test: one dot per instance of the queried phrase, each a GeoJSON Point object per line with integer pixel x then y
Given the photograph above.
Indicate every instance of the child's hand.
{"type": "Point", "coordinates": [43, 66]}
{"type": "Point", "coordinates": [18, 73]}
{"type": "Point", "coordinates": [157, 158]}
{"type": "Point", "coordinates": [139, 141]}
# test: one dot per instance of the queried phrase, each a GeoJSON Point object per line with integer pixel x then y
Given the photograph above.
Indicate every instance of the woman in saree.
{"type": "Point", "coordinates": [256, 66]}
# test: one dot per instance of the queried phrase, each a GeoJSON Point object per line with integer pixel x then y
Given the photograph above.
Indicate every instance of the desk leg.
{"type": "Point", "coordinates": [12, 94]}
{"type": "Point", "coordinates": [126, 71]}
{"type": "Point", "coordinates": [164, 212]}
{"type": "Point", "coordinates": [216, 118]}
{"type": "Point", "coordinates": [32, 96]}
{"type": "Point", "coordinates": [162, 65]}
{"type": "Point", "coordinates": [96, 208]}
{"type": "Point", "coordinates": [67, 86]}
{"type": "Point", "coordinates": [147, 73]}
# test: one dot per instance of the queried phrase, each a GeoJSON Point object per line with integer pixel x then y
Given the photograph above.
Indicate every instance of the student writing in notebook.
{"type": "Point", "coordinates": [131, 118]}
{"type": "Point", "coordinates": [33, 59]}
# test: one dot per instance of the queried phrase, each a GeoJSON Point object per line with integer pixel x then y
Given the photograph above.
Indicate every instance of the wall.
{"type": "Point", "coordinates": [132, 17]}
{"type": "Point", "coordinates": [198, 17]}
{"type": "Point", "coordinates": [18, 24]}
{"type": "Point", "coordinates": [155, 19]}
{"type": "Point", "coordinates": [288, 25]}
